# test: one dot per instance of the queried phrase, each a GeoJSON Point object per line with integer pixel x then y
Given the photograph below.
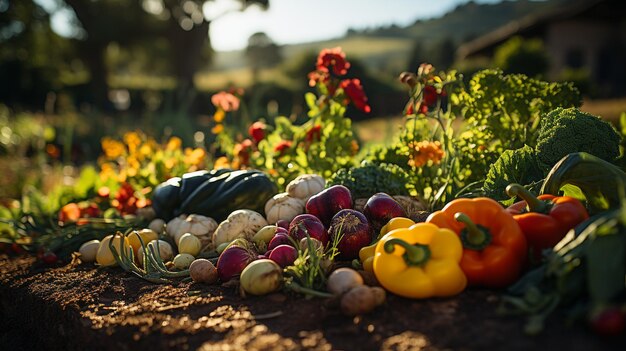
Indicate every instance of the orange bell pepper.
{"type": "Point", "coordinates": [494, 247]}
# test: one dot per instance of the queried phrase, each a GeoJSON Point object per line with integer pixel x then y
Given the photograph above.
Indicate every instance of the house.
{"type": "Point", "coordinates": [588, 34]}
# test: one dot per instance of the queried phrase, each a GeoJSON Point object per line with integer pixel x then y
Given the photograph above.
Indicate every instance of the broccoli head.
{"type": "Point", "coordinates": [369, 178]}
{"type": "Point", "coordinates": [564, 131]}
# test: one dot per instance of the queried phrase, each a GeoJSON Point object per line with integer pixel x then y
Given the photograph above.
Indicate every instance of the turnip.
{"type": "Point", "coordinates": [306, 225]}
{"type": "Point", "coordinates": [203, 271]}
{"type": "Point", "coordinates": [352, 230]}
{"type": "Point", "coordinates": [182, 261]}
{"type": "Point", "coordinates": [189, 244]}
{"type": "Point", "coordinates": [233, 260]}
{"type": "Point", "coordinates": [284, 255]}
{"type": "Point", "coordinates": [342, 280]}
{"type": "Point", "coordinates": [311, 244]}
{"type": "Point", "coordinates": [261, 277]}
{"type": "Point", "coordinates": [89, 250]}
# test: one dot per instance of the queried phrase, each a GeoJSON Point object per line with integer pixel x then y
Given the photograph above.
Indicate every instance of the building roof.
{"type": "Point", "coordinates": [531, 25]}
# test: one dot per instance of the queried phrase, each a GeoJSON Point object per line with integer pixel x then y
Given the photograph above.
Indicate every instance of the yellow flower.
{"type": "Point", "coordinates": [145, 151]}
{"type": "Point", "coordinates": [218, 128]}
{"type": "Point", "coordinates": [219, 115]}
{"type": "Point", "coordinates": [174, 143]}
{"type": "Point", "coordinates": [194, 157]}
{"type": "Point", "coordinates": [133, 166]}
{"type": "Point", "coordinates": [425, 151]}
{"type": "Point", "coordinates": [106, 170]}
{"type": "Point", "coordinates": [221, 162]}
{"type": "Point", "coordinates": [112, 148]}
{"type": "Point", "coordinates": [133, 140]}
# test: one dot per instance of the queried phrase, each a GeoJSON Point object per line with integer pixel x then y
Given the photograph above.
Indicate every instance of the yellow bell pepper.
{"type": "Point", "coordinates": [420, 261]}
{"type": "Point", "coordinates": [395, 223]}
{"type": "Point", "coordinates": [366, 254]}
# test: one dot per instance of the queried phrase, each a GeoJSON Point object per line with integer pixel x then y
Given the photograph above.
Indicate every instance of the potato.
{"type": "Point", "coordinates": [203, 271]}
{"type": "Point", "coordinates": [359, 300]}
{"type": "Point", "coordinates": [342, 280]}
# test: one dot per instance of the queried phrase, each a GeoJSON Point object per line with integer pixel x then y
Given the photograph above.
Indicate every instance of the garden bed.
{"type": "Point", "coordinates": [81, 307]}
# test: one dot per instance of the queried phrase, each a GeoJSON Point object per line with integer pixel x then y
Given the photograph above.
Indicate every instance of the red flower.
{"type": "Point", "coordinates": [314, 134]}
{"type": "Point", "coordinates": [225, 101]}
{"type": "Point", "coordinates": [89, 210]}
{"type": "Point", "coordinates": [430, 95]}
{"type": "Point", "coordinates": [333, 59]}
{"type": "Point", "coordinates": [354, 90]}
{"type": "Point", "coordinates": [257, 131]}
{"type": "Point", "coordinates": [125, 200]}
{"type": "Point", "coordinates": [282, 146]}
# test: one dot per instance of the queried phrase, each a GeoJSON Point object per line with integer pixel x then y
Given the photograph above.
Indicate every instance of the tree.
{"type": "Point", "coordinates": [127, 22]}
{"type": "Point", "coordinates": [262, 52]}
{"type": "Point", "coordinates": [519, 55]}
{"type": "Point", "coordinates": [31, 54]}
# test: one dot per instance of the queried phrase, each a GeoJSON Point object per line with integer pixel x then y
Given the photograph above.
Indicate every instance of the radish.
{"type": "Point", "coordinates": [284, 255]}
{"type": "Point", "coordinates": [277, 240]}
{"type": "Point", "coordinates": [327, 203]}
{"type": "Point", "coordinates": [352, 230]}
{"type": "Point", "coordinates": [282, 223]}
{"type": "Point", "coordinates": [232, 262]}
{"type": "Point", "coordinates": [379, 209]}
{"type": "Point", "coordinates": [305, 224]}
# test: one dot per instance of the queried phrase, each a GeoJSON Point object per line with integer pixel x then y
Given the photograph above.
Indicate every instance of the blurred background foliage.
{"type": "Point", "coordinates": [149, 65]}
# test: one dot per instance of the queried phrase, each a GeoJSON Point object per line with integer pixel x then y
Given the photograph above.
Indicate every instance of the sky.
{"type": "Point", "coordinates": [297, 21]}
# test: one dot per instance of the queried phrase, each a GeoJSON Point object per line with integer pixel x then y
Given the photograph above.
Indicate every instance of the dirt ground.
{"type": "Point", "coordinates": [84, 308]}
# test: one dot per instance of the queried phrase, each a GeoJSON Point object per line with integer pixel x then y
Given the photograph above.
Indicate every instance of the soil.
{"type": "Point", "coordinates": [79, 307]}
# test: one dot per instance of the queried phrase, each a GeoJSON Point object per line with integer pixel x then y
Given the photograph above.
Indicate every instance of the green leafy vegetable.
{"type": "Point", "coordinates": [513, 166]}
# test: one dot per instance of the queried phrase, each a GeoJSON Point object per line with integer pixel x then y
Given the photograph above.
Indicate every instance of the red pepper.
{"type": "Point", "coordinates": [545, 219]}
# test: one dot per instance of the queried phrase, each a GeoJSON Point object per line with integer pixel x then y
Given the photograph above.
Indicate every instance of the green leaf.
{"type": "Point", "coordinates": [602, 183]}
{"type": "Point", "coordinates": [606, 265]}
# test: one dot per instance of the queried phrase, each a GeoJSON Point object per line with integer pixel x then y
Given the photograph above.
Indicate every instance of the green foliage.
{"type": "Point", "coordinates": [368, 179]}
{"type": "Point", "coordinates": [503, 112]}
{"type": "Point", "coordinates": [564, 131]}
{"type": "Point", "coordinates": [525, 56]}
{"type": "Point", "coordinates": [513, 166]}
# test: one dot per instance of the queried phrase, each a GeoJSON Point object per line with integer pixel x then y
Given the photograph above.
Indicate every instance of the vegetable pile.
{"type": "Point", "coordinates": [525, 195]}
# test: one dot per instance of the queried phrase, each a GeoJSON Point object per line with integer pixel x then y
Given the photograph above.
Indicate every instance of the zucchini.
{"type": "Point", "coordinates": [165, 198]}
{"type": "Point", "coordinates": [215, 194]}
{"type": "Point", "coordinates": [250, 192]}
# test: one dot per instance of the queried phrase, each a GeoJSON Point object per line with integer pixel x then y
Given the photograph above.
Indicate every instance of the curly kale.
{"type": "Point", "coordinates": [513, 166]}
{"type": "Point", "coordinates": [369, 179]}
{"type": "Point", "coordinates": [564, 131]}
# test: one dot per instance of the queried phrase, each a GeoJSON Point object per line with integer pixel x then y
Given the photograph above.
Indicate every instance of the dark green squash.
{"type": "Point", "coordinates": [214, 194]}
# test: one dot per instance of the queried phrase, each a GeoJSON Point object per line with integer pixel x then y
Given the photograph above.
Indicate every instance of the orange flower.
{"type": "Point", "coordinates": [218, 128]}
{"type": "Point", "coordinates": [219, 115]}
{"type": "Point", "coordinates": [425, 151]}
{"type": "Point", "coordinates": [112, 148]}
{"type": "Point", "coordinates": [69, 213]}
